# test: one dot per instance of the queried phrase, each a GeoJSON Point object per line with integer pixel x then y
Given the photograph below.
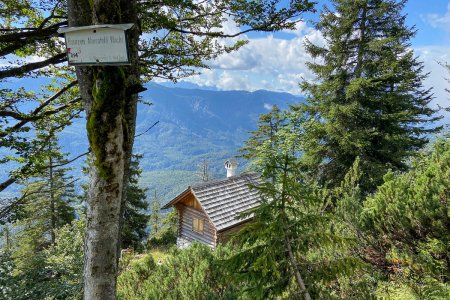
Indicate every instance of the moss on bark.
{"type": "Point", "coordinates": [108, 103]}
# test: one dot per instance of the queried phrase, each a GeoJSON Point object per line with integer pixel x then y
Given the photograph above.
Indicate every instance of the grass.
{"type": "Point", "coordinates": [159, 255]}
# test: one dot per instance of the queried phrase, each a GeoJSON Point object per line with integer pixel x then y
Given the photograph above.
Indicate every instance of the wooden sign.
{"type": "Point", "coordinates": [97, 44]}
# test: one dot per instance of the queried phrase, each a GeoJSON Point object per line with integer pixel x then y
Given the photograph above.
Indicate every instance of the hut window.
{"type": "Point", "coordinates": [197, 225]}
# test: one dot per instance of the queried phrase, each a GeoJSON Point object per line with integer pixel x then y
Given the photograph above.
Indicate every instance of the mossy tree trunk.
{"type": "Point", "coordinates": [110, 107]}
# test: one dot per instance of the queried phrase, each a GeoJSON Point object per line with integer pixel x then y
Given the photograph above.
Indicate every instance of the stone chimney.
{"type": "Point", "coordinates": [231, 166]}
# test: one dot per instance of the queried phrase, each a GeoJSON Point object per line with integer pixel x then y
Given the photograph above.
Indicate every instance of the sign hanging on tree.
{"type": "Point", "coordinates": [97, 44]}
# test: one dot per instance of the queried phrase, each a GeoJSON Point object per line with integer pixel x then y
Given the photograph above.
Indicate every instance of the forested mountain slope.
{"type": "Point", "coordinates": [193, 125]}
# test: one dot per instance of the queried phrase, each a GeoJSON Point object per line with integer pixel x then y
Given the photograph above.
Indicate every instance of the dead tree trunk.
{"type": "Point", "coordinates": [110, 106]}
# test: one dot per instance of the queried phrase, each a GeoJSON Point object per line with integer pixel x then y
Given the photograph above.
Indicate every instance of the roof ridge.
{"type": "Point", "coordinates": [225, 199]}
{"type": "Point", "coordinates": [218, 181]}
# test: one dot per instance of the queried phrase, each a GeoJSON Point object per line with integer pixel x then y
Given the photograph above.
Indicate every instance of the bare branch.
{"type": "Point", "coordinates": [20, 71]}
{"type": "Point", "coordinates": [71, 160]}
{"type": "Point", "coordinates": [30, 34]}
{"type": "Point", "coordinates": [7, 183]}
{"type": "Point", "coordinates": [154, 124]}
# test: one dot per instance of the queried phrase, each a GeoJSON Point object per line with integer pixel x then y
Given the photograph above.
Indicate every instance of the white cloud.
{"type": "Point", "coordinates": [268, 106]}
{"type": "Point", "coordinates": [279, 64]}
{"type": "Point", "coordinates": [229, 81]}
{"type": "Point", "coordinates": [244, 61]}
{"type": "Point", "coordinates": [269, 63]}
{"type": "Point", "coordinates": [439, 21]}
{"type": "Point", "coordinates": [433, 57]}
{"type": "Point", "coordinates": [300, 29]}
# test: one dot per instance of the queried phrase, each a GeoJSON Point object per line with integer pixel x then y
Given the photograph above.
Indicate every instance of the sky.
{"type": "Point", "coordinates": [277, 61]}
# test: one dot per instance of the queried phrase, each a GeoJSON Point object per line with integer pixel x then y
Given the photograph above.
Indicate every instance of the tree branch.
{"type": "Point", "coordinates": [34, 115]}
{"type": "Point", "coordinates": [20, 71]}
{"type": "Point", "coordinates": [154, 124]}
{"type": "Point", "coordinates": [7, 208]}
{"type": "Point", "coordinates": [31, 34]}
{"type": "Point", "coordinates": [23, 170]}
{"type": "Point", "coordinates": [7, 183]}
{"type": "Point", "coordinates": [72, 160]}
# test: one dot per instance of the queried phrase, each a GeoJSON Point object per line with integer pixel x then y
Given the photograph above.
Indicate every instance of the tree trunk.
{"type": "Point", "coordinates": [294, 264]}
{"type": "Point", "coordinates": [287, 240]}
{"type": "Point", "coordinates": [110, 107]}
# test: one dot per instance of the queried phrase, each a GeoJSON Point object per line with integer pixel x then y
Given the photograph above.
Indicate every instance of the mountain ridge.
{"type": "Point", "coordinates": [193, 125]}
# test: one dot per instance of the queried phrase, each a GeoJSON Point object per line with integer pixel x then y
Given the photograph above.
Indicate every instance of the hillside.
{"type": "Point", "coordinates": [193, 125]}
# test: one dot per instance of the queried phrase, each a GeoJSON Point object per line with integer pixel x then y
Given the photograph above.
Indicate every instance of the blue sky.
{"type": "Point", "coordinates": [277, 61]}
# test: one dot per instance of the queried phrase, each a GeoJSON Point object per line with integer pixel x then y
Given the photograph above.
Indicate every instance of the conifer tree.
{"type": "Point", "coordinates": [65, 259]}
{"type": "Point", "coordinates": [135, 216]}
{"type": "Point", "coordinates": [47, 208]}
{"type": "Point", "coordinates": [291, 241]}
{"type": "Point", "coordinates": [203, 171]}
{"type": "Point", "coordinates": [6, 238]}
{"type": "Point", "coordinates": [367, 98]}
{"type": "Point", "coordinates": [163, 226]}
{"type": "Point", "coordinates": [155, 216]}
{"type": "Point", "coordinates": [262, 144]}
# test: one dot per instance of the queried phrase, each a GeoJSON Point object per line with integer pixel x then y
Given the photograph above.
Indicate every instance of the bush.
{"type": "Point", "coordinates": [192, 273]}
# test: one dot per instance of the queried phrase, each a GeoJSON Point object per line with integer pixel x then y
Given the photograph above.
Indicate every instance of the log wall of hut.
{"type": "Point", "coordinates": [186, 219]}
{"type": "Point", "coordinates": [225, 235]}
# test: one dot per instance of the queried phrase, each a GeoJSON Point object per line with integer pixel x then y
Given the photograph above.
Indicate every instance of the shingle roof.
{"type": "Point", "coordinates": [224, 200]}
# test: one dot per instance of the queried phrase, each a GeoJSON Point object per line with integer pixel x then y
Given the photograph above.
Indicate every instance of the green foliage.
{"type": "Point", "coordinates": [65, 258]}
{"type": "Point", "coordinates": [46, 207]}
{"type": "Point", "coordinates": [367, 99]}
{"type": "Point", "coordinates": [166, 236]}
{"type": "Point", "coordinates": [407, 222]}
{"type": "Point", "coordinates": [155, 216]}
{"type": "Point", "coordinates": [295, 229]}
{"type": "Point", "coordinates": [168, 184]}
{"type": "Point", "coordinates": [191, 273]}
{"type": "Point", "coordinates": [190, 31]}
{"type": "Point", "coordinates": [278, 134]}
{"type": "Point", "coordinates": [58, 274]}
{"type": "Point", "coordinates": [43, 210]}
{"type": "Point", "coordinates": [29, 136]}
{"type": "Point", "coordinates": [8, 283]}
{"type": "Point", "coordinates": [135, 216]}
{"type": "Point", "coordinates": [293, 211]}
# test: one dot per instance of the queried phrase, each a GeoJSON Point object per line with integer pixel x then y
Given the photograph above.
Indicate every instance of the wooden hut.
{"type": "Point", "coordinates": [209, 212]}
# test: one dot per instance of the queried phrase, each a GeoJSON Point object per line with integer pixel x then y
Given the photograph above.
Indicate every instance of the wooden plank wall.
{"type": "Point", "coordinates": [224, 236]}
{"type": "Point", "coordinates": [209, 233]}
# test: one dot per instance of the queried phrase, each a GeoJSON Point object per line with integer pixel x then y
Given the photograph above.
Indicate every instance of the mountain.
{"type": "Point", "coordinates": [193, 125]}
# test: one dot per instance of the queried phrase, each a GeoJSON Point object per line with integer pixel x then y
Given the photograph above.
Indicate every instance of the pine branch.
{"type": "Point", "coordinates": [8, 208]}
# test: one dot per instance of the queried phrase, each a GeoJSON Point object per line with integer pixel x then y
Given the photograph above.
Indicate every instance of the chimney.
{"type": "Point", "coordinates": [231, 166]}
